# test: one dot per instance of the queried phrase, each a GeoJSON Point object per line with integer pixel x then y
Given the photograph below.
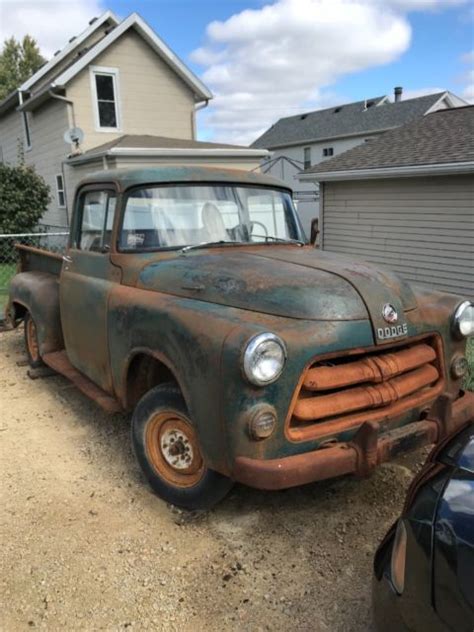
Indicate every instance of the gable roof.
{"type": "Point", "coordinates": [159, 46]}
{"type": "Point", "coordinates": [72, 45]}
{"type": "Point", "coordinates": [147, 145]}
{"type": "Point", "coordinates": [440, 142]}
{"type": "Point", "coordinates": [27, 88]}
{"type": "Point", "coordinates": [345, 120]}
{"type": "Point", "coordinates": [83, 59]}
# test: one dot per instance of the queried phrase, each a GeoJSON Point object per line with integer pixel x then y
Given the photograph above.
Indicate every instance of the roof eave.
{"type": "Point", "coordinates": [201, 92]}
{"type": "Point", "coordinates": [390, 172]}
{"type": "Point", "coordinates": [155, 152]}
{"type": "Point", "coordinates": [9, 102]}
{"type": "Point", "coordinates": [108, 15]}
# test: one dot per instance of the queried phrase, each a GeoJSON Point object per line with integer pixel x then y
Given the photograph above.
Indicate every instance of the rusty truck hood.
{"type": "Point", "coordinates": [284, 281]}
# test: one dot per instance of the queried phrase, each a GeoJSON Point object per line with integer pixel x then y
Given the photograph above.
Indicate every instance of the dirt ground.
{"type": "Point", "coordinates": [85, 545]}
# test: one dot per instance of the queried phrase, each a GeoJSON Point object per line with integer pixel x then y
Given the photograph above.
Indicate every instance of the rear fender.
{"type": "Point", "coordinates": [37, 293]}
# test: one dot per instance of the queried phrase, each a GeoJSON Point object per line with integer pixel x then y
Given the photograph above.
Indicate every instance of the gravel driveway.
{"type": "Point", "coordinates": [87, 546]}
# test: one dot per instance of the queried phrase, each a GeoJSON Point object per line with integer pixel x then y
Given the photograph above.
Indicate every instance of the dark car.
{"type": "Point", "coordinates": [424, 568]}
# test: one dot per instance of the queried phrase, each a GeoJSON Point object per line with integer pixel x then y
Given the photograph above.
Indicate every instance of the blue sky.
{"type": "Point", "coordinates": [440, 38]}
{"type": "Point", "coordinates": [268, 59]}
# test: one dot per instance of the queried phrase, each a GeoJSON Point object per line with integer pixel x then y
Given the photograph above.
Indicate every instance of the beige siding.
{"type": "Point", "coordinates": [48, 151]}
{"type": "Point", "coordinates": [11, 134]}
{"type": "Point", "coordinates": [153, 99]}
{"type": "Point", "coordinates": [74, 175]}
{"type": "Point", "coordinates": [422, 228]}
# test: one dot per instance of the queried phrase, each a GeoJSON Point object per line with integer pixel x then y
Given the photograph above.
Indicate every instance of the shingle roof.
{"type": "Point", "coordinates": [443, 137]}
{"type": "Point", "coordinates": [345, 120]}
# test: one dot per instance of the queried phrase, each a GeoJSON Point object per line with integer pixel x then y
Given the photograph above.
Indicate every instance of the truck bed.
{"type": "Point", "coordinates": [39, 260]}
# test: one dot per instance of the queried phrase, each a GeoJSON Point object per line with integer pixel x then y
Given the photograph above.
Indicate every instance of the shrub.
{"type": "Point", "coordinates": [24, 198]}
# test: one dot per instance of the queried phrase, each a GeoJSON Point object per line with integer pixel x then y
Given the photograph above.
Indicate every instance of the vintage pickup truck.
{"type": "Point", "coordinates": [188, 296]}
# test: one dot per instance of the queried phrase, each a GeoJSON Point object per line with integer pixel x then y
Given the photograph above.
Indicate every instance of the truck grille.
{"type": "Point", "coordinates": [341, 393]}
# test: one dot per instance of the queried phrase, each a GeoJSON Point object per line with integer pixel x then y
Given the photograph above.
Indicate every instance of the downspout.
{"type": "Point", "coordinates": [53, 95]}
{"type": "Point", "coordinates": [197, 107]}
{"type": "Point", "coordinates": [70, 105]}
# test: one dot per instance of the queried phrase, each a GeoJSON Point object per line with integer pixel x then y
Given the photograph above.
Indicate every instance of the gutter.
{"type": "Point", "coordinates": [156, 152]}
{"type": "Point", "coordinates": [390, 172]}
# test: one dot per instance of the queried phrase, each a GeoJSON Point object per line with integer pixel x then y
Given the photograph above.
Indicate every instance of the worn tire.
{"type": "Point", "coordinates": [31, 342]}
{"type": "Point", "coordinates": [161, 423]}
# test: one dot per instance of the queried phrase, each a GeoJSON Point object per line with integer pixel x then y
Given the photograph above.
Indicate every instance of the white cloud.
{"type": "Point", "coordinates": [283, 58]}
{"type": "Point", "coordinates": [50, 22]}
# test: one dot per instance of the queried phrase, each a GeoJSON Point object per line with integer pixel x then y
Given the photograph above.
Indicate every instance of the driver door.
{"type": "Point", "coordinates": [87, 278]}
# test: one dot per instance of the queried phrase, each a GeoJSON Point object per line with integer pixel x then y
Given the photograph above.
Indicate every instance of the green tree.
{"type": "Point", "coordinates": [18, 61]}
{"type": "Point", "coordinates": [24, 197]}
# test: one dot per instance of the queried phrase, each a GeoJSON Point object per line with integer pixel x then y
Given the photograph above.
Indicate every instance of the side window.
{"type": "Point", "coordinates": [96, 218]}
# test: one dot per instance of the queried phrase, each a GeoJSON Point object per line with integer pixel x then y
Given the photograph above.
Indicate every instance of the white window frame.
{"type": "Point", "coordinates": [114, 73]}
{"type": "Point", "coordinates": [307, 151]}
{"type": "Point", "coordinates": [26, 130]}
{"type": "Point", "coordinates": [59, 190]}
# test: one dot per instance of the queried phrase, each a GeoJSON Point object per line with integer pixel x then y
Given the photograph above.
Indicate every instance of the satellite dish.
{"type": "Point", "coordinates": [73, 136]}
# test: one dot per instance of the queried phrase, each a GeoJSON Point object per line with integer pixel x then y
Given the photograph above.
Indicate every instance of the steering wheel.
{"type": "Point", "coordinates": [255, 223]}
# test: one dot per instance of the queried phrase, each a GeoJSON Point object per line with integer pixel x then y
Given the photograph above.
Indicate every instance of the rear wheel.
{"type": "Point", "coordinates": [31, 342]}
{"type": "Point", "coordinates": [167, 448]}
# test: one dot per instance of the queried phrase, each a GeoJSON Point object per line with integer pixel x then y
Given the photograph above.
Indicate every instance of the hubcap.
{"type": "Point", "coordinates": [177, 449]}
{"type": "Point", "coordinates": [173, 450]}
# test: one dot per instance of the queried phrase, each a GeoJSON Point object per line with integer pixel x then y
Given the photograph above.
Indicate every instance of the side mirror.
{"type": "Point", "coordinates": [314, 231]}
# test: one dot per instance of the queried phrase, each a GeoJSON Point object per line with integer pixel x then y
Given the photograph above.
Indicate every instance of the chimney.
{"type": "Point", "coordinates": [398, 93]}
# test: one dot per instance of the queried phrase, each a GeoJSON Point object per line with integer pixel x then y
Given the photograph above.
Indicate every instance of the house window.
{"type": "Point", "coordinates": [328, 151]}
{"type": "Point", "coordinates": [106, 98]}
{"type": "Point", "coordinates": [26, 129]}
{"type": "Point", "coordinates": [307, 157]}
{"type": "Point", "coordinates": [60, 190]}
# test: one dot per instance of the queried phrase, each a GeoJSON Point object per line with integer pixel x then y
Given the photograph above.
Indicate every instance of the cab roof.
{"type": "Point", "coordinates": [127, 178]}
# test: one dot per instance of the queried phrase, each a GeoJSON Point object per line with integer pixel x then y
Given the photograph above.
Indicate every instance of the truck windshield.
{"type": "Point", "coordinates": [182, 215]}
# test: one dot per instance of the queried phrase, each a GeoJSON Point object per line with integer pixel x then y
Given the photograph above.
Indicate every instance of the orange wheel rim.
{"type": "Point", "coordinates": [173, 450]}
{"type": "Point", "coordinates": [32, 339]}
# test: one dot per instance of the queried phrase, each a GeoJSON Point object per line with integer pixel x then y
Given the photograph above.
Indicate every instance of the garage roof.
{"type": "Point", "coordinates": [443, 140]}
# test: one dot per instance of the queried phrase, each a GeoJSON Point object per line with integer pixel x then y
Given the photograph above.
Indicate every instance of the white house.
{"type": "Point", "coordinates": [128, 98]}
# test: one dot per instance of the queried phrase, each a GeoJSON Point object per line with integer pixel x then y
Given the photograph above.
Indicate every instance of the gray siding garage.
{"type": "Point", "coordinates": [422, 228]}
{"type": "Point", "coordinates": [406, 201]}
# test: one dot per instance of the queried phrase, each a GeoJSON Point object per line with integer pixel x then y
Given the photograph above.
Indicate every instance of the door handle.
{"type": "Point", "coordinates": [67, 258]}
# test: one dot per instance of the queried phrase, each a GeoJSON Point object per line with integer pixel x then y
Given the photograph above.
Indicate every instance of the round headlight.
{"type": "Point", "coordinates": [464, 319]}
{"type": "Point", "coordinates": [264, 359]}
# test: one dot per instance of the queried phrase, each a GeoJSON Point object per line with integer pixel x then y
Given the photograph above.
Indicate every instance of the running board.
{"type": "Point", "coordinates": [59, 362]}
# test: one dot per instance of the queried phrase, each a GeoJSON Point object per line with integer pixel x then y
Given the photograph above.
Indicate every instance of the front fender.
{"type": "Point", "coordinates": [38, 293]}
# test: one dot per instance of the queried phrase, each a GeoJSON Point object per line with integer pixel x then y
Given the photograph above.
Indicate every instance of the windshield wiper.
{"type": "Point", "coordinates": [209, 244]}
{"type": "Point", "coordinates": [280, 239]}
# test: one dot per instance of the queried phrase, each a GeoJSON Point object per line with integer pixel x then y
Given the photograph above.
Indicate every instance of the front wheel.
{"type": "Point", "coordinates": [167, 449]}
{"type": "Point", "coordinates": [31, 342]}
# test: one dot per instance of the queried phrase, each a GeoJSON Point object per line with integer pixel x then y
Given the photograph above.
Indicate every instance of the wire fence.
{"type": "Point", "coordinates": [52, 241]}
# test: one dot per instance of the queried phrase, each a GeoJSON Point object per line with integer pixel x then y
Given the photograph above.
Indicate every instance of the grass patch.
{"type": "Point", "coordinates": [469, 381]}
{"type": "Point", "coordinates": [7, 270]}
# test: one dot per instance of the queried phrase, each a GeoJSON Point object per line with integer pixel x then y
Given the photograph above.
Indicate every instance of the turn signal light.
{"type": "Point", "coordinates": [397, 564]}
